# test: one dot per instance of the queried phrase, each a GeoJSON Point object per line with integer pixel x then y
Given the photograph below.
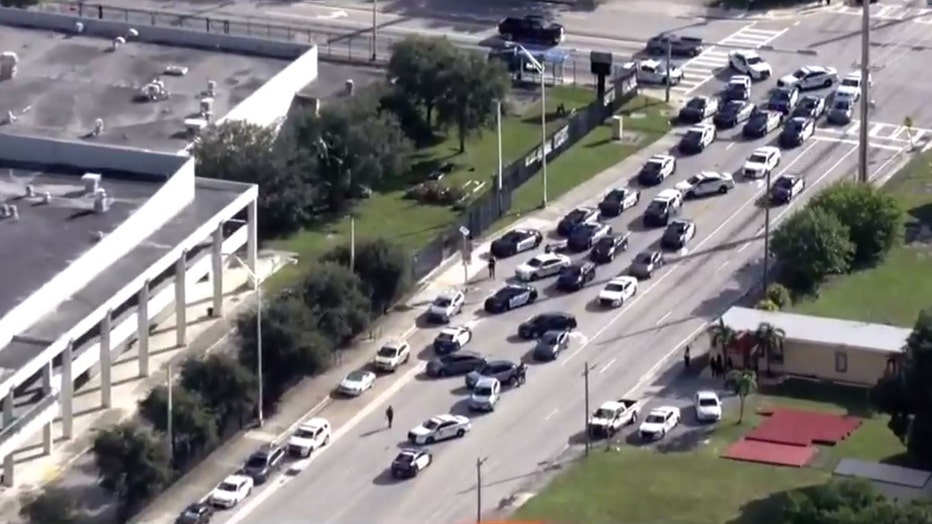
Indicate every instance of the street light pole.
{"type": "Point", "coordinates": [479, 463]}
{"type": "Point", "coordinates": [498, 126]}
{"type": "Point", "coordinates": [668, 66]}
{"type": "Point", "coordinates": [352, 243]}
{"type": "Point", "coordinates": [260, 411]}
{"type": "Point", "coordinates": [539, 66]}
{"type": "Point", "coordinates": [375, 28]}
{"type": "Point", "coordinates": [586, 414]}
{"type": "Point", "coordinates": [767, 233]}
{"type": "Point", "coordinates": [865, 91]}
{"type": "Point", "coordinates": [169, 429]}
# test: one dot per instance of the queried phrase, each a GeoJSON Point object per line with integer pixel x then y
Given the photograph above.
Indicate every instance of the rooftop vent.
{"type": "Point", "coordinates": [91, 182]}
{"type": "Point", "coordinates": [8, 65]}
{"type": "Point", "coordinates": [30, 191]}
{"type": "Point", "coordinates": [46, 197]}
{"type": "Point", "coordinates": [101, 202]}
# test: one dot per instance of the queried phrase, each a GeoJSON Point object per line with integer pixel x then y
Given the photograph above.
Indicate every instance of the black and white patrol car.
{"type": "Point", "coordinates": [697, 138]}
{"type": "Point", "coordinates": [678, 234]}
{"type": "Point", "coordinates": [656, 170]}
{"type": "Point", "coordinates": [516, 241]}
{"type": "Point", "coordinates": [785, 188]}
{"type": "Point", "coordinates": [619, 199]}
{"type": "Point", "coordinates": [410, 463]}
{"type": "Point", "coordinates": [510, 297]}
{"type": "Point", "coordinates": [585, 236]}
{"type": "Point", "coordinates": [580, 215]}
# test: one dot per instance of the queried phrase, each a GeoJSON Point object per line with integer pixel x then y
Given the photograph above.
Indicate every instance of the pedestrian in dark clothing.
{"type": "Point", "coordinates": [729, 364]}
{"type": "Point", "coordinates": [390, 416]}
{"type": "Point", "coordinates": [686, 358]}
{"type": "Point", "coordinates": [718, 365]}
{"type": "Point", "coordinates": [491, 267]}
{"type": "Point", "coordinates": [713, 366]}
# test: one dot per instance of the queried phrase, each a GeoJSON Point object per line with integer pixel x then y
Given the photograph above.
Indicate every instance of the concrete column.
{"type": "Point", "coordinates": [67, 392]}
{"type": "Point", "coordinates": [181, 301]}
{"type": "Point", "coordinates": [8, 461]}
{"type": "Point", "coordinates": [142, 330]}
{"type": "Point", "coordinates": [217, 270]}
{"type": "Point", "coordinates": [47, 439]}
{"type": "Point", "coordinates": [106, 380]}
{"type": "Point", "coordinates": [252, 239]}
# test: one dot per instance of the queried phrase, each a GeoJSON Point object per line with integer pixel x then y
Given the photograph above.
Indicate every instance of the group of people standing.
{"type": "Point", "coordinates": [720, 366]}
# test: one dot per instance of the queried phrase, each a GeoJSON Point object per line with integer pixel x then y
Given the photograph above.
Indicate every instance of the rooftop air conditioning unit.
{"type": "Point", "coordinates": [91, 182]}
{"type": "Point", "coordinates": [101, 202]}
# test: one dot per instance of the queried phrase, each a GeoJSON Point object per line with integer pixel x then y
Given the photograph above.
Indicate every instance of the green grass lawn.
{"type": "Point", "coordinates": [894, 291]}
{"type": "Point", "coordinates": [645, 486]}
{"type": "Point", "coordinates": [414, 225]}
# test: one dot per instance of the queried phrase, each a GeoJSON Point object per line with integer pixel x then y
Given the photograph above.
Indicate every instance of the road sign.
{"type": "Point", "coordinates": [464, 231]}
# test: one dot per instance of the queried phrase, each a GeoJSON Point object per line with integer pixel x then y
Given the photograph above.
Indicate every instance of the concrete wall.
{"type": "Point", "coordinates": [270, 103]}
{"type": "Point", "coordinates": [176, 193]}
{"type": "Point", "coordinates": [863, 367]}
{"type": "Point", "coordinates": [87, 155]}
{"type": "Point", "coordinates": [152, 34]}
{"type": "Point", "coordinates": [56, 347]}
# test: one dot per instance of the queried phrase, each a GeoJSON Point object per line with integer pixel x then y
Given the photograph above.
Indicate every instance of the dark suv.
{"type": "Point", "coordinates": [531, 28]}
{"type": "Point", "coordinates": [577, 275]}
{"type": "Point", "coordinates": [197, 513]}
{"type": "Point", "coordinates": [540, 324]}
{"type": "Point", "coordinates": [677, 45]}
{"type": "Point", "coordinates": [264, 462]}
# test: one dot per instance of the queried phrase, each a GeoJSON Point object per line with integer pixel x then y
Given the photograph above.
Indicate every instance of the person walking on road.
{"type": "Point", "coordinates": [491, 267]}
{"type": "Point", "coordinates": [389, 416]}
{"type": "Point", "coordinates": [686, 358]}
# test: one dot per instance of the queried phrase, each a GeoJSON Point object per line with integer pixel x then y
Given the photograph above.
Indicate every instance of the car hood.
{"type": "Point", "coordinates": [222, 495]}
{"type": "Point", "coordinates": [599, 421]}
{"type": "Point", "coordinates": [683, 186]}
{"type": "Point", "coordinates": [300, 442]}
{"type": "Point", "coordinates": [610, 294]}
{"type": "Point", "coordinates": [847, 91]}
{"type": "Point", "coordinates": [351, 384]}
{"type": "Point", "coordinates": [385, 359]}
{"type": "Point", "coordinates": [755, 166]}
{"type": "Point", "coordinates": [789, 80]}
{"type": "Point", "coordinates": [709, 410]}
{"type": "Point", "coordinates": [650, 427]}
{"type": "Point", "coordinates": [420, 431]}
{"type": "Point", "coordinates": [760, 67]}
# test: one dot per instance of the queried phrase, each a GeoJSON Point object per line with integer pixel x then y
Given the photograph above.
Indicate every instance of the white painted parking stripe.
{"type": "Point", "coordinates": [852, 142]}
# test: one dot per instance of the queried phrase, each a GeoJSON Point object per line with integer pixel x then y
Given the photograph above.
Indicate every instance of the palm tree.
{"type": "Point", "coordinates": [722, 335]}
{"type": "Point", "coordinates": [745, 383]}
{"type": "Point", "coordinates": [769, 341]}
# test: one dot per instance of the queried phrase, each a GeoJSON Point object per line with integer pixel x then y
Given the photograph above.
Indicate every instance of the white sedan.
{"type": "Point", "coordinates": [452, 338]}
{"type": "Point", "coordinates": [750, 63]}
{"type": "Point", "coordinates": [762, 161]}
{"type": "Point", "coordinates": [850, 86]}
{"type": "Point", "coordinates": [655, 72]}
{"type": "Point", "coordinates": [659, 422]}
{"type": "Point", "coordinates": [357, 383]}
{"type": "Point", "coordinates": [708, 406]}
{"type": "Point", "coordinates": [233, 490]}
{"type": "Point", "coordinates": [618, 291]}
{"type": "Point", "coordinates": [544, 265]}
{"type": "Point", "coordinates": [706, 183]}
{"type": "Point", "coordinates": [810, 77]}
{"type": "Point", "coordinates": [441, 427]}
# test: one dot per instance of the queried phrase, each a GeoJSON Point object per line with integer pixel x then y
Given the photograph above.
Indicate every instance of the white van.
{"type": "Point", "coordinates": [485, 394]}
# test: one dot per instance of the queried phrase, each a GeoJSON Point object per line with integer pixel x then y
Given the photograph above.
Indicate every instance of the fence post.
{"type": "Point", "coordinates": [207, 24]}
{"type": "Point", "coordinates": [100, 12]}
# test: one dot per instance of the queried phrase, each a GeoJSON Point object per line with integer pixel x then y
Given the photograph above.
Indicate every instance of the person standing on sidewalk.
{"type": "Point", "coordinates": [389, 416]}
{"type": "Point", "coordinates": [686, 358]}
{"type": "Point", "coordinates": [491, 267]}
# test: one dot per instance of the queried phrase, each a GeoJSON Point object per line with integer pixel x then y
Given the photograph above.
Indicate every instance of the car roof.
{"type": "Point", "coordinates": [706, 394]}
{"type": "Point", "coordinates": [448, 293]}
{"type": "Point", "coordinates": [646, 253]}
{"type": "Point", "coordinates": [663, 410]}
{"type": "Point", "coordinates": [360, 372]}
{"type": "Point", "coordinates": [544, 257]}
{"type": "Point", "coordinates": [680, 222]}
{"type": "Point", "coordinates": [486, 381]}
{"type": "Point", "coordinates": [452, 330]}
{"type": "Point", "coordinates": [587, 209]}
{"type": "Point", "coordinates": [747, 53]}
{"type": "Point", "coordinates": [667, 194]}
{"type": "Point", "coordinates": [766, 150]}
{"type": "Point", "coordinates": [394, 343]}
{"type": "Point", "coordinates": [236, 479]}
{"type": "Point", "coordinates": [739, 78]}
{"type": "Point", "coordinates": [314, 423]}
{"type": "Point", "coordinates": [410, 452]}
{"type": "Point", "coordinates": [659, 158]}
{"type": "Point", "coordinates": [621, 280]}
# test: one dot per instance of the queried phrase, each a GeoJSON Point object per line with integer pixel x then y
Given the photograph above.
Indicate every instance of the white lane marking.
{"type": "Point", "coordinates": [252, 503]}
{"type": "Point", "coordinates": [745, 246]}
{"type": "Point", "coordinates": [660, 321]}
{"type": "Point", "coordinates": [721, 267]}
{"type": "Point", "coordinates": [673, 269]}
{"type": "Point", "coordinates": [850, 142]}
{"type": "Point", "coordinates": [729, 146]}
{"type": "Point", "coordinates": [551, 415]}
{"type": "Point", "coordinates": [606, 366]}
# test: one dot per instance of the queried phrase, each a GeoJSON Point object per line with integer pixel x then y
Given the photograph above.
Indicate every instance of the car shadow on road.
{"type": "Point", "coordinates": [515, 339]}
{"type": "Point", "coordinates": [374, 431]}
{"type": "Point", "coordinates": [528, 358]}
{"type": "Point", "coordinates": [385, 478]}
{"type": "Point", "coordinates": [461, 407]}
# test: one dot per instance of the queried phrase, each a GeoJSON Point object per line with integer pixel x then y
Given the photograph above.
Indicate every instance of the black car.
{"type": "Point", "coordinates": [510, 297]}
{"type": "Point", "coordinates": [516, 241]}
{"type": "Point", "coordinates": [459, 363]}
{"type": "Point", "coordinates": [786, 188]}
{"type": "Point", "coordinates": [577, 275]}
{"type": "Point", "coordinates": [619, 199]}
{"type": "Point", "coordinates": [677, 234]}
{"type": "Point", "coordinates": [584, 236]}
{"type": "Point", "coordinates": [698, 109]}
{"type": "Point", "coordinates": [810, 106]}
{"type": "Point", "coordinates": [540, 324]}
{"type": "Point", "coordinates": [409, 462]}
{"type": "Point", "coordinates": [504, 371]}
{"type": "Point", "coordinates": [676, 45]}
{"type": "Point", "coordinates": [264, 462]}
{"type": "Point", "coordinates": [659, 213]}
{"type": "Point", "coordinates": [197, 513]}
{"type": "Point", "coordinates": [784, 99]}
{"type": "Point", "coordinates": [580, 215]}
{"type": "Point", "coordinates": [796, 131]}
{"type": "Point", "coordinates": [551, 344]}
{"type": "Point", "coordinates": [531, 28]}
{"type": "Point", "coordinates": [762, 122]}
{"type": "Point", "coordinates": [733, 113]}
{"type": "Point", "coordinates": [606, 248]}
{"type": "Point", "coordinates": [736, 90]}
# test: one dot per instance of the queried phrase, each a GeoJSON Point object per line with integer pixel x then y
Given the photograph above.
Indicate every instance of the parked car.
{"type": "Point", "coordinates": [459, 363]}
{"type": "Point", "coordinates": [392, 355]}
{"type": "Point", "coordinates": [761, 162]}
{"type": "Point", "coordinates": [656, 170]}
{"type": "Point", "coordinates": [708, 406]}
{"type": "Point", "coordinates": [646, 263]}
{"type": "Point", "coordinates": [663, 208]}
{"type": "Point", "coordinates": [617, 291]}
{"type": "Point", "coordinates": [761, 122]}
{"type": "Point", "coordinates": [551, 344]}
{"type": "Point", "coordinates": [510, 297]}
{"type": "Point", "coordinates": [611, 416]}
{"type": "Point", "coordinates": [233, 490]}
{"type": "Point", "coordinates": [784, 99]}
{"type": "Point", "coordinates": [810, 106]}
{"type": "Point", "coordinates": [540, 324]}
{"type": "Point", "coordinates": [440, 427]}
{"type": "Point", "coordinates": [447, 304]}
{"type": "Point", "coordinates": [810, 77]}
{"type": "Point", "coordinates": [410, 463]}
{"type": "Point", "coordinates": [580, 215]}
{"type": "Point", "coordinates": [576, 276]}
{"type": "Point", "coordinates": [505, 371]}
{"type": "Point", "coordinates": [659, 422]}
{"type": "Point", "coordinates": [655, 72]}
{"type": "Point", "coordinates": [356, 383]}
{"type": "Point", "coordinates": [706, 183]}
{"type": "Point", "coordinates": [451, 339]}
{"type": "Point", "coordinates": [796, 131]}
{"type": "Point", "coordinates": [485, 395]}
{"type": "Point", "coordinates": [678, 234]}
{"type": "Point", "coordinates": [733, 113]}
{"type": "Point", "coordinates": [698, 109]}
{"type": "Point", "coordinates": [261, 464]}
{"type": "Point", "coordinates": [541, 266]}
{"type": "Point", "coordinates": [531, 28]}
{"type": "Point", "coordinates": [584, 236]}
{"type": "Point", "coordinates": [737, 88]}
{"type": "Point", "coordinates": [310, 436]}
{"type": "Point", "coordinates": [750, 63]}
{"type": "Point", "coordinates": [675, 45]}
{"type": "Point", "coordinates": [841, 112]}
{"type": "Point", "coordinates": [697, 138]}
{"type": "Point", "coordinates": [785, 188]}
{"type": "Point", "coordinates": [617, 200]}
{"type": "Point", "coordinates": [197, 513]}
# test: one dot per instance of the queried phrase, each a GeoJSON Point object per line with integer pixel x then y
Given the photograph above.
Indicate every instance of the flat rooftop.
{"type": "Point", "coordinates": [331, 79]}
{"type": "Point", "coordinates": [66, 82]}
{"type": "Point", "coordinates": [48, 257]}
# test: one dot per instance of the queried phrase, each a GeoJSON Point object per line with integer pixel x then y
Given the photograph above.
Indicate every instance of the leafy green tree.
{"type": "Point", "coordinates": [292, 347]}
{"type": "Point", "coordinates": [244, 152]}
{"type": "Point", "coordinates": [194, 425]}
{"type": "Point", "coordinates": [473, 87]}
{"type": "Point", "coordinates": [765, 304]}
{"type": "Point", "coordinates": [383, 266]}
{"type": "Point", "coordinates": [51, 506]}
{"type": "Point", "coordinates": [226, 387]}
{"type": "Point", "coordinates": [132, 464]}
{"type": "Point", "coordinates": [745, 384]}
{"type": "Point", "coordinates": [722, 336]}
{"type": "Point", "coordinates": [779, 295]}
{"type": "Point", "coordinates": [906, 394]}
{"type": "Point", "coordinates": [873, 217]}
{"type": "Point", "coordinates": [811, 245]}
{"type": "Point", "coordinates": [335, 297]}
{"type": "Point", "coordinates": [418, 67]}
{"type": "Point", "coordinates": [847, 501]}
{"type": "Point", "coordinates": [354, 147]}
{"type": "Point", "coordinates": [769, 341]}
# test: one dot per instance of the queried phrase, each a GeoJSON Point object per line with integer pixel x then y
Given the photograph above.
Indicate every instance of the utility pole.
{"type": "Point", "coordinates": [865, 90]}
{"type": "Point", "coordinates": [668, 66]}
{"type": "Point", "coordinates": [375, 28]}
{"type": "Point", "coordinates": [260, 411]}
{"type": "Point", "coordinates": [169, 430]}
{"type": "Point", "coordinates": [352, 243]}
{"type": "Point", "coordinates": [498, 127]}
{"type": "Point", "coordinates": [767, 204]}
{"type": "Point", "coordinates": [586, 414]}
{"type": "Point", "coordinates": [543, 131]}
{"type": "Point", "coordinates": [479, 463]}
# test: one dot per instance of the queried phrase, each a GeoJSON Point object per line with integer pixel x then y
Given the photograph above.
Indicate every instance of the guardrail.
{"type": "Point", "coordinates": [12, 435]}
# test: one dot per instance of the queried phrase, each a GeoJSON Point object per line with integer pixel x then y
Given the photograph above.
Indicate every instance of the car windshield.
{"type": "Point", "coordinates": [851, 82]}
{"type": "Point", "coordinates": [616, 194]}
{"type": "Point", "coordinates": [784, 183]}
{"type": "Point", "coordinates": [355, 376]}
{"type": "Point", "coordinates": [572, 271]}
{"type": "Point", "coordinates": [652, 166]}
{"type": "Point", "coordinates": [654, 419]}
{"type": "Point", "coordinates": [576, 215]}
{"type": "Point", "coordinates": [644, 258]}
{"type": "Point", "coordinates": [512, 236]}
{"type": "Point", "coordinates": [483, 391]}
{"type": "Point", "coordinates": [696, 103]}
{"type": "Point", "coordinates": [614, 287]}
{"type": "Point", "coordinates": [404, 458]}
{"type": "Point", "coordinates": [693, 180]}
{"type": "Point", "coordinates": [800, 73]}
{"type": "Point", "coordinates": [431, 424]}
{"type": "Point", "coordinates": [304, 433]}
{"type": "Point", "coordinates": [754, 60]}
{"type": "Point", "coordinates": [708, 402]}
{"type": "Point", "coordinates": [781, 95]}
{"type": "Point", "coordinates": [734, 106]}
{"type": "Point", "coordinates": [809, 103]}
{"type": "Point", "coordinates": [794, 126]}
{"type": "Point", "coordinates": [388, 351]}
{"type": "Point", "coordinates": [757, 159]}
{"type": "Point", "coordinates": [605, 243]}
{"type": "Point", "coordinates": [693, 136]}
{"type": "Point", "coordinates": [604, 413]}
{"type": "Point", "coordinates": [227, 486]}
{"type": "Point", "coordinates": [549, 339]}
{"type": "Point", "coordinates": [444, 337]}
{"type": "Point", "coordinates": [842, 105]}
{"type": "Point", "coordinates": [677, 227]}
{"type": "Point", "coordinates": [535, 262]}
{"type": "Point", "coordinates": [192, 513]}
{"type": "Point", "coordinates": [256, 462]}
{"type": "Point", "coordinates": [441, 302]}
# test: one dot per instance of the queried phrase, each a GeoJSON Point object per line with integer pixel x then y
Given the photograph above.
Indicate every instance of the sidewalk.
{"type": "Point", "coordinates": [70, 465]}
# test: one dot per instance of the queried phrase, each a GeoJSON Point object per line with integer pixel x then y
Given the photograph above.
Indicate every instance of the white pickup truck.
{"type": "Point", "coordinates": [612, 416]}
